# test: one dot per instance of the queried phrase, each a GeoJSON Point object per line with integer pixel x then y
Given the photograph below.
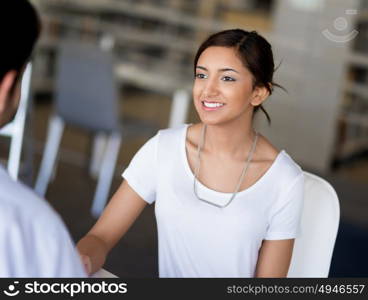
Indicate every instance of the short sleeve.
{"type": "Point", "coordinates": [286, 216]}
{"type": "Point", "coordinates": [141, 174]}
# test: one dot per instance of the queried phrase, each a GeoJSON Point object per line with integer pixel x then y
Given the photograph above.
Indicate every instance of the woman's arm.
{"type": "Point", "coordinates": [274, 258]}
{"type": "Point", "coordinates": [121, 212]}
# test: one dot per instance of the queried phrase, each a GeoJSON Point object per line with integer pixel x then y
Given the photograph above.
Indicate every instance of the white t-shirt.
{"type": "Point", "coordinates": [33, 240]}
{"type": "Point", "coordinates": [197, 239]}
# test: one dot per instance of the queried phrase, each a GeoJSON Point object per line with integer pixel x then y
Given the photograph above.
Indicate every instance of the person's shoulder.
{"type": "Point", "coordinates": [172, 136]}
{"type": "Point", "coordinates": [173, 131]}
{"type": "Point", "coordinates": [165, 137]}
{"type": "Point", "coordinates": [291, 168]}
{"type": "Point", "coordinates": [287, 173]}
{"type": "Point", "coordinates": [18, 202]}
{"type": "Point", "coordinates": [287, 169]}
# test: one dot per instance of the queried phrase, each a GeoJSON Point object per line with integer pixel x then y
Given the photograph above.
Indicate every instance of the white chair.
{"type": "Point", "coordinates": [313, 250]}
{"type": "Point", "coordinates": [15, 129]}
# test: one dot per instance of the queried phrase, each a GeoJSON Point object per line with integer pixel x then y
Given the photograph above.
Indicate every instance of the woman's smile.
{"type": "Point", "coordinates": [212, 105]}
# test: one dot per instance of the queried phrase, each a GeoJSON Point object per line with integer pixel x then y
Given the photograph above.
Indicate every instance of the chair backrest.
{"type": "Point", "coordinates": [15, 129]}
{"type": "Point", "coordinates": [86, 91]}
{"type": "Point", "coordinates": [313, 250]}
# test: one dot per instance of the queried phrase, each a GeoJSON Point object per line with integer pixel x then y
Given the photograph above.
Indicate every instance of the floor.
{"type": "Point", "coordinates": [135, 255]}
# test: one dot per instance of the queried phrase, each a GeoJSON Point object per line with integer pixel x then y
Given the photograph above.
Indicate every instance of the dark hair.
{"type": "Point", "coordinates": [253, 50]}
{"type": "Point", "coordinates": [19, 30]}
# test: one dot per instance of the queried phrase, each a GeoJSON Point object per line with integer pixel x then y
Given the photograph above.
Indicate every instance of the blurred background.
{"type": "Point", "coordinates": [107, 74]}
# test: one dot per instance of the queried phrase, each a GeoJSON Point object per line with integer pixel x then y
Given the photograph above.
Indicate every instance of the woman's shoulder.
{"type": "Point", "coordinates": [265, 150]}
{"type": "Point", "coordinates": [286, 167]}
{"type": "Point", "coordinates": [173, 131]}
{"type": "Point", "coordinates": [171, 136]}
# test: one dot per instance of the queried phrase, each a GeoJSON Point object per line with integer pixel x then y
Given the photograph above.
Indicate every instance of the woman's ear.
{"type": "Point", "coordinates": [260, 94]}
{"type": "Point", "coordinates": [6, 84]}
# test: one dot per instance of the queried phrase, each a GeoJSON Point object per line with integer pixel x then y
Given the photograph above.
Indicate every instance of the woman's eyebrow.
{"type": "Point", "coordinates": [221, 70]}
{"type": "Point", "coordinates": [228, 69]}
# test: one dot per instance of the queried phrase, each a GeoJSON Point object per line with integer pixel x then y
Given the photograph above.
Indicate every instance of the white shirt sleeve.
{"type": "Point", "coordinates": [59, 254]}
{"type": "Point", "coordinates": [38, 247]}
{"type": "Point", "coordinates": [141, 174]}
{"type": "Point", "coordinates": [286, 215]}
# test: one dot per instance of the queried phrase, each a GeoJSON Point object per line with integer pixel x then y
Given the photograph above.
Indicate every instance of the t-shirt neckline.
{"type": "Point", "coordinates": [207, 189]}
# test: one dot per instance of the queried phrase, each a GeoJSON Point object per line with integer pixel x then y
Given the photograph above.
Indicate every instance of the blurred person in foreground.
{"type": "Point", "coordinates": [33, 239]}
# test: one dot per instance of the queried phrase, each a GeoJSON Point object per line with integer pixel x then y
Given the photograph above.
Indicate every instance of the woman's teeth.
{"type": "Point", "coordinates": [212, 104]}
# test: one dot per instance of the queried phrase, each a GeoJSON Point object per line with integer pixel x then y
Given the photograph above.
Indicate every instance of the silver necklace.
{"type": "Point", "coordinates": [245, 168]}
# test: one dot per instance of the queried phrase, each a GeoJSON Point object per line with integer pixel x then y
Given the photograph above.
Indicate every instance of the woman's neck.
{"type": "Point", "coordinates": [232, 139]}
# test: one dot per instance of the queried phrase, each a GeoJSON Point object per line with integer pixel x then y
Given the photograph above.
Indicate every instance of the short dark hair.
{"type": "Point", "coordinates": [253, 50]}
{"type": "Point", "coordinates": [19, 29]}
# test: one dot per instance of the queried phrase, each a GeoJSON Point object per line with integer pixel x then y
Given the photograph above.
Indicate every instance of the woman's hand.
{"type": "Point", "coordinates": [86, 262]}
{"type": "Point", "coordinates": [120, 213]}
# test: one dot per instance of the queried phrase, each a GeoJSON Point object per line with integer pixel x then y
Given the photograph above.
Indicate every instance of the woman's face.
{"type": "Point", "coordinates": [223, 87]}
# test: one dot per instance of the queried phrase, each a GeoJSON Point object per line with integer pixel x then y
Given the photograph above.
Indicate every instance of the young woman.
{"type": "Point", "coordinates": [228, 203]}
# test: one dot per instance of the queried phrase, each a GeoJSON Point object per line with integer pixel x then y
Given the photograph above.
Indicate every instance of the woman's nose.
{"type": "Point", "coordinates": [211, 88]}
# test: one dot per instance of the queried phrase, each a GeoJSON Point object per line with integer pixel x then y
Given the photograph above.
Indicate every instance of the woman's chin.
{"type": "Point", "coordinates": [223, 121]}
{"type": "Point", "coordinates": [213, 120]}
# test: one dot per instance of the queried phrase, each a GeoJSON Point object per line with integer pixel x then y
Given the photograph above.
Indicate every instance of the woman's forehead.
{"type": "Point", "coordinates": [218, 57]}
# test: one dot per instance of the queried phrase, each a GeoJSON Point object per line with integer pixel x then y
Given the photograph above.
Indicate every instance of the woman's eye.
{"type": "Point", "coordinates": [228, 78]}
{"type": "Point", "coordinates": [200, 75]}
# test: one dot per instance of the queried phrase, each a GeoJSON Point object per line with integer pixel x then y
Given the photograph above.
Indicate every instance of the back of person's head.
{"type": "Point", "coordinates": [19, 30]}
